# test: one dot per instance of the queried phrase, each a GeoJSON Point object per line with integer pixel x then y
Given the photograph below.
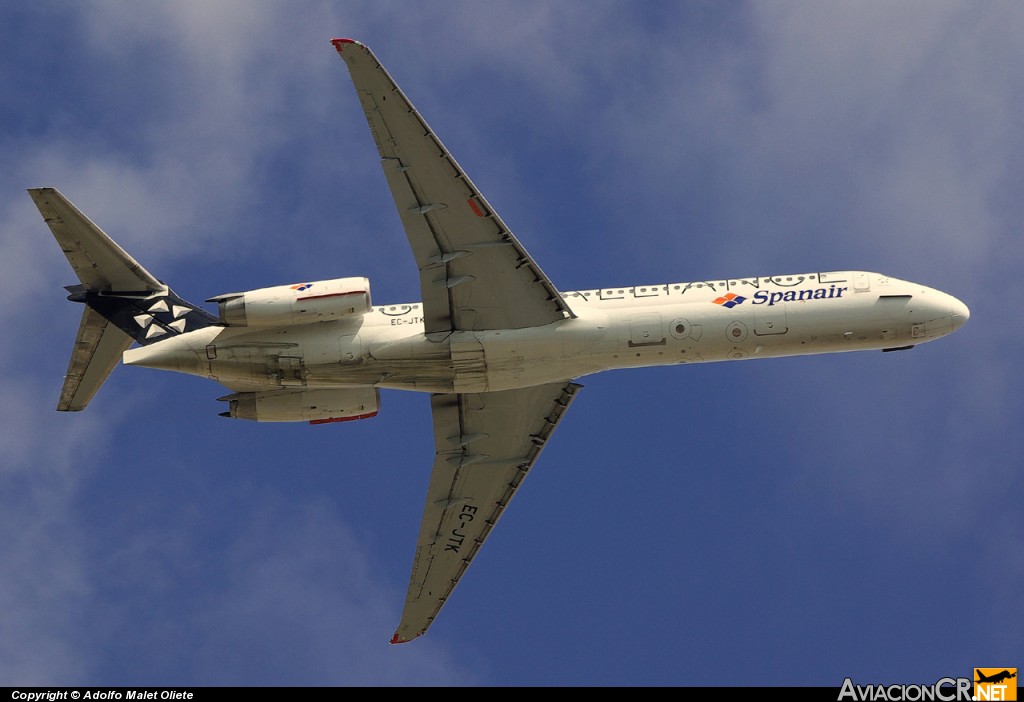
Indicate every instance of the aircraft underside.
{"type": "Point", "coordinates": [493, 341]}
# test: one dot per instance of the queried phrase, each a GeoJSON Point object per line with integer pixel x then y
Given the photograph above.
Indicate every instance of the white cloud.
{"type": "Point", "coordinates": [45, 584]}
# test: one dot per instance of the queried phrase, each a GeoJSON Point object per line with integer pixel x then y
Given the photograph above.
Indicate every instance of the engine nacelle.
{"type": "Point", "coordinates": [302, 303]}
{"type": "Point", "coordinates": [313, 406]}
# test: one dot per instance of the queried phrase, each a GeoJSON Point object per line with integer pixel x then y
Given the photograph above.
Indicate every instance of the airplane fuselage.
{"type": "Point", "coordinates": [676, 323]}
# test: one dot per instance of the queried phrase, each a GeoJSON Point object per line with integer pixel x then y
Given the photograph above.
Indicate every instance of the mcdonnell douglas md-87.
{"type": "Point", "coordinates": [495, 344]}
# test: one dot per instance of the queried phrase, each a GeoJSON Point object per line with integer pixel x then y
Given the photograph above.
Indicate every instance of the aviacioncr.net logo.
{"type": "Point", "coordinates": [945, 690]}
{"type": "Point", "coordinates": [995, 683]}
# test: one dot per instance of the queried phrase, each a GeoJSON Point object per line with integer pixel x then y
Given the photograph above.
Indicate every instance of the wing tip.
{"type": "Point", "coordinates": [339, 43]}
{"type": "Point", "coordinates": [40, 194]}
{"type": "Point", "coordinates": [397, 639]}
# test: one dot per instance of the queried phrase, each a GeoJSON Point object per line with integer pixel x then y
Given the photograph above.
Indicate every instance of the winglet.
{"type": "Point", "coordinates": [396, 639]}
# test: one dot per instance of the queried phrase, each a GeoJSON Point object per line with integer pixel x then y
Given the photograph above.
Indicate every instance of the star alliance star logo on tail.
{"type": "Point", "coordinates": [160, 317]}
{"type": "Point", "coordinates": [729, 300]}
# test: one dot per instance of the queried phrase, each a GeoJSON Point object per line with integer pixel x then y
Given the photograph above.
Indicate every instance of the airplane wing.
{"type": "Point", "coordinates": [485, 445]}
{"type": "Point", "coordinates": [474, 274]}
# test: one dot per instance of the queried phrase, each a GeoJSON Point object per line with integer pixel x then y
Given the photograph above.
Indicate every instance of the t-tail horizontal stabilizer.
{"type": "Point", "coordinates": [124, 302]}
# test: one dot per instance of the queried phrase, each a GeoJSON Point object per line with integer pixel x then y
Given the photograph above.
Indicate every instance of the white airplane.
{"type": "Point", "coordinates": [496, 345]}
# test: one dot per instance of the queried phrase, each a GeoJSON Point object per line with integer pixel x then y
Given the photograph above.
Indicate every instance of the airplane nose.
{"type": "Point", "coordinates": [959, 313]}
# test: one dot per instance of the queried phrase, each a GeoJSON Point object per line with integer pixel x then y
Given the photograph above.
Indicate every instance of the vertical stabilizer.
{"type": "Point", "coordinates": [124, 302]}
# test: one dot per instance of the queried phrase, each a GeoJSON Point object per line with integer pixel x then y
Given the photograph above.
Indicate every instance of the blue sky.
{"type": "Point", "coordinates": [786, 522]}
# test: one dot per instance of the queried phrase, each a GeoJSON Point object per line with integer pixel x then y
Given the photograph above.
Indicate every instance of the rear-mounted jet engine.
{"type": "Point", "coordinates": [301, 303]}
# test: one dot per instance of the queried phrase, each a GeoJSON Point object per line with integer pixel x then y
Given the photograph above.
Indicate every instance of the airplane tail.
{"type": "Point", "coordinates": [124, 303]}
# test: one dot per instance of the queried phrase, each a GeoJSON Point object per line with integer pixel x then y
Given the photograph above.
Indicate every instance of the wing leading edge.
{"type": "Point", "coordinates": [485, 444]}
{"type": "Point", "coordinates": [474, 274]}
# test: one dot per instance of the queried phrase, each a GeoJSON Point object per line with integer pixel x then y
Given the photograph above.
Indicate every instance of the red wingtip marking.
{"type": "Point", "coordinates": [339, 43]}
{"type": "Point", "coordinates": [396, 639]}
{"type": "Point", "coordinates": [475, 207]}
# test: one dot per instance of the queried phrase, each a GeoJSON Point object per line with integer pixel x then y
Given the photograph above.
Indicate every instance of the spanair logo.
{"type": "Point", "coordinates": [302, 286]}
{"type": "Point", "coordinates": [729, 300]}
{"type": "Point", "coordinates": [995, 683]}
{"type": "Point", "coordinates": [763, 297]}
